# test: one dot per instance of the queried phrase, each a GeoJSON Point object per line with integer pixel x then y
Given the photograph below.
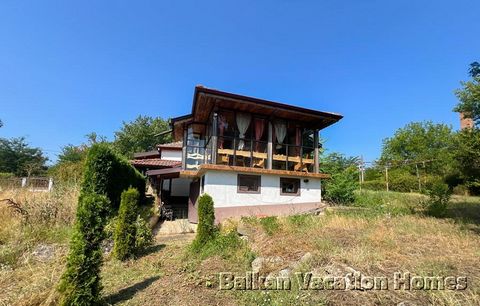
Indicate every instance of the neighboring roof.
{"type": "Point", "coordinates": [141, 155]}
{"type": "Point", "coordinates": [206, 99]}
{"type": "Point", "coordinates": [155, 162]}
{"type": "Point", "coordinates": [177, 145]}
{"type": "Point", "coordinates": [165, 172]}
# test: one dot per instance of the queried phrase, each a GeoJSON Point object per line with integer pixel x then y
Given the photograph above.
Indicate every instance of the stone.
{"type": "Point", "coordinates": [244, 229]}
{"type": "Point", "coordinates": [44, 252]}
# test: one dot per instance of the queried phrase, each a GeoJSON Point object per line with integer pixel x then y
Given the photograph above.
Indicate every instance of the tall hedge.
{"type": "Point", "coordinates": [206, 229]}
{"type": "Point", "coordinates": [125, 232]}
{"type": "Point", "coordinates": [80, 283]}
{"type": "Point", "coordinates": [110, 174]}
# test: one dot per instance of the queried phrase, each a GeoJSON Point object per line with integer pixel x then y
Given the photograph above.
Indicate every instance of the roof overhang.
{"type": "Point", "coordinates": [165, 173]}
{"type": "Point", "coordinates": [205, 100]}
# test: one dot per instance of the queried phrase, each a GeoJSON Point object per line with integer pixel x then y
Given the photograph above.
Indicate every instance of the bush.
{"type": "Point", "coordinates": [206, 229]}
{"type": "Point", "coordinates": [461, 190]}
{"type": "Point", "coordinates": [143, 235]}
{"type": "Point", "coordinates": [125, 230]}
{"type": "Point", "coordinates": [110, 174]}
{"type": "Point", "coordinates": [80, 284]}
{"type": "Point", "coordinates": [340, 189]}
{"type": "Point", "coordinates": [376, 185]}
{"type": "Point", "coordinates": [438, 199]}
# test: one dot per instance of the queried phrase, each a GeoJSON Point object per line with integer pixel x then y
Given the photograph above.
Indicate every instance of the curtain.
{"type": "Point", "coordinates": [298, 141]}
{"type": "Point", "coordinates": [259, 127]}
{"type": "Point", "coordinates": [222, 126]}
{"type": "Point", "coordinates": [280, 132]}
{"type": "Point", "coordinates": [243, 122]}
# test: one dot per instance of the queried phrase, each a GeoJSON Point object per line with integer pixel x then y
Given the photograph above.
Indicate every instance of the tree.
{"type": "Point", "coordinates": [339, 189]}
{"type": "Point", "coordinates": [1, 123]}
{"type": "Point", "coordinates": [467, 156]}
{"type": "Point", "coordinates": [417, 142]}
{"type": "Point", "coordinates": [17, 157]}
{"type": "Point", "coordinates": [141, 135]}
{"type": "Point", "coordinates": [125, 232]}
{"type": "Point", "coordinates": [80, 283]}
{"type": "Point", "coordinates": [206, 229]}
{"type": "Point", "coordinates": [72, 154]}
{"type": "Point", "coordinates": [469, 95]}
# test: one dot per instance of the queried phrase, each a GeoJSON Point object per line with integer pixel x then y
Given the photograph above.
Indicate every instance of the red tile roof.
{"type": "Point", "coordinates": [171, 145]}
{"type": "Point", "coordinates": [155, 162]}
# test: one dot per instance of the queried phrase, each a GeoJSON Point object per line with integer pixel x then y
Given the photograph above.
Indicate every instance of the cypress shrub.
{"type": "Point", "coordinates": [80, 283]}
{"type": "Point", "coordinates": [110, 174]}
{"type": "Point", "coordinates": [125, 232]}
{"type": "Point", "coordinates": [206, 229]}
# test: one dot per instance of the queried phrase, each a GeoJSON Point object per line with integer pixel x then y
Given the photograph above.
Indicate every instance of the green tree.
{"type": "Point", "coordinates": [80, 283]}
{"type": "Point", "coordinates": [420, 141]}
{"type": "Point", "coordinates": [339, 189]}
{"type": "Point", "coordinates": [467, 157]}
{"type": "Point", "coordinates": [469, 95]}
{"type": "Point", "coordinates": [206, 229]}
{"type": "Point", "coordinates": [17, 157]}
{"type": "Point", "coordinates": [141, 135]}
{"type": "Point", "coordinates": [72, 154]}
{"type": "Point", "coordinates": [125, 232]}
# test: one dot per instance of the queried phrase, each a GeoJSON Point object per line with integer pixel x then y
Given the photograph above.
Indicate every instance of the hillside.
{"type": "Point", "coordinates": [380, 238]}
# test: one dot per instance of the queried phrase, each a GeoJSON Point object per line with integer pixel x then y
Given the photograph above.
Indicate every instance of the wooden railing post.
{"type": "Point", "coordinates": [270, 146]}
{"type": "Point", "coordinates": [315, 152]}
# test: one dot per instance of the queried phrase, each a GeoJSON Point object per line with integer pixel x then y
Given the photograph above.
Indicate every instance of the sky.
{"type": "Point", "coordinates": [68, 68]}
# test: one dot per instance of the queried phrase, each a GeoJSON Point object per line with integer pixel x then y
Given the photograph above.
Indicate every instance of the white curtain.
{"type": "Point", "coordinates": [243, 121]}
{"type": "Point", "coordinates": [280, 132]}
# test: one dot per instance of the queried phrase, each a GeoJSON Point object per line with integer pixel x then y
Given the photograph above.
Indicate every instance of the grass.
{"type": "Point", "coordinates": [383, 233]}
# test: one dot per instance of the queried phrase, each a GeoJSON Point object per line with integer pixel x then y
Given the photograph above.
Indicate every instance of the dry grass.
{"type": "Point", "coordinates": [375, 243]}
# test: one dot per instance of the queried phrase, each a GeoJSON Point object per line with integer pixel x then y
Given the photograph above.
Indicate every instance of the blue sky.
{"type": "Point", "coordinates": [68, 68]}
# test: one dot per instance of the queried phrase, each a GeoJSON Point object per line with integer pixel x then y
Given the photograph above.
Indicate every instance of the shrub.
{"type": "Point", "coordinates": [270, 225]}
{"type": "Point", "coordinates": [438, 199]}
{"type": "Point", "coordinates": [377, 185]}
{"type": "Point", "coordinates": [206, 229]}
{"type": "Point", "coordinates": [80, 284]}
{"type": "Point", "coordinates": [125, 230]}
{"type": "Point", "coordinates": [461, 190]}
{"type": "Point", "coordinates": [340, 189]}
{"type": "Point", "coordinates": [143, 235]}
{"type": "Point", "coordinates": [110, 174]}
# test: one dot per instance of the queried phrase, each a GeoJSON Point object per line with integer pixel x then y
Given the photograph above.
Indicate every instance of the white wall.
{"type": "Point", "coordinates": [222, 186]}
{"type": "Point", "coordinates": [172, 154]}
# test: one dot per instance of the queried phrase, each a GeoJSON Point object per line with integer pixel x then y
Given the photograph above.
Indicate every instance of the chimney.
{"type": "Point", "coordinates": [465, 123]}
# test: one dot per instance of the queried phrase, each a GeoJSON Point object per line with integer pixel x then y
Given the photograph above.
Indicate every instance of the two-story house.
{"type": "Point", "coordinates": [252, 156]}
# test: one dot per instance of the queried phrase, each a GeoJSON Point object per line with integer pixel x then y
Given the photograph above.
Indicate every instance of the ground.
{"type": "Point", "coordinates": [374, 242]}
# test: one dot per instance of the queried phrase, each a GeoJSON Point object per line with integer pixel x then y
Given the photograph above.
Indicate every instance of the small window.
{"type": "Point", "coordinates": [289, 186]}
{"type": "Point", "coordinates": [202, 184]}
{"type": "Point", "coordinates": [248, 183]}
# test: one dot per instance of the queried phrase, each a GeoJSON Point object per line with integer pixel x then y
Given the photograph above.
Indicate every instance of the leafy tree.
{"type": "Point", "coordinates": [141, 135]}
{"type": "Point", "coordinates": [125, 233]}
{"type": "Point", "coordinates": [339, 189]}
{"type": "Point", "coordinates": [72, 154]}
{"type": "Point", "coordinates": [469, 95]}
{"type": "Point", "coordinates": [1, 123]}
{"type": "Point", "coordinates": [17, 157]}
{"type": "Point", "coordinates": [419, 141]}
{"type": "Point", "coordinates": [467, 157]}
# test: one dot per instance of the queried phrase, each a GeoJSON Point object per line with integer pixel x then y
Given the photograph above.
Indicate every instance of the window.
{"type": "Point", "coordinates": [202, 184]}
{"type": "Point", "coordinates": [289, 186]}
{"type": "Point", "coordinates": [248, 183]}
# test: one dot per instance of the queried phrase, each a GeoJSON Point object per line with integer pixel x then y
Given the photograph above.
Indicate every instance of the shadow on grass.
{"type": "Point", "coordinates": [466, 213]}
{"type": "Point", "coordinates": [150, 250]}
{"type": "Point", "coordinates": [127, 293]}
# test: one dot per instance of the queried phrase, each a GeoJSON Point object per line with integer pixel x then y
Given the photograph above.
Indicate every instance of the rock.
{"type": "Point", "coordinates": [257, 264]}
{"type": "Point", "coordinates": [44, 252]}
{"type": "Point", "coordinates": [285, 272]}
{"type": "Point", "coordinates": [260, 263]}
{"type": "Point", "coordinates": [244, 229]}
{"type": "Point", "coordinates": [304, 259]}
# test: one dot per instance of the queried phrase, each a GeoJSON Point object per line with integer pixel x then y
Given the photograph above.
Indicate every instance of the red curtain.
{"type": "Point", "coordinates": [222, 124]}
{"type": "Point", "coordinates": [259, 129]}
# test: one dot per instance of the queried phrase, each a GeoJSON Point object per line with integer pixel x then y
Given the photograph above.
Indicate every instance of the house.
{"type": "Point", "coordinates": [252, 156]}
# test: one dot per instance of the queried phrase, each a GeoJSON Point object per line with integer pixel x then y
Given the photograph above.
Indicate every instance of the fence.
{"type": "Point", "coordinates": [29, 183]}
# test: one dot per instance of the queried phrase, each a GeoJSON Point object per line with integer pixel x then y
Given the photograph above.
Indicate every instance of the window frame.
{"type": "Point", "coordinates": [290, 179]}
{"type": "Point", "coordinates": [259, 177]}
